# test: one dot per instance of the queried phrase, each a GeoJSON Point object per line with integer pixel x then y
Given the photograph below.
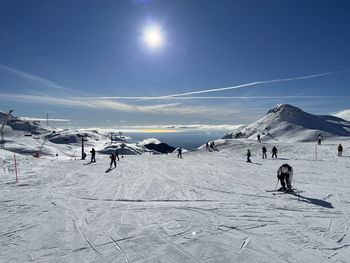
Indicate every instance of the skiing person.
{"type": "Point", "coordinates": [207, 146]}
{"type": "Point", "coordinates": [212, 145]}
{"type": "Point", "coordinates": [117, 154]}
{"type": "Point", "coordinates": [319, 139]}
{"type": "Point", "coordinates": [340, 150]}
{"type": "Point", "coordinates": [179, 153]}
{"type": "Point", "coordinates": [264, 151]}
{"type": "Point", "coordinates": [248, 156]}
{"type": "Point", "coordinates": [258, 138]}
{"type": "Point", "coordinates": [93, 154]}
{"type": "Point", "coordinates": [113, 160]}
{"type": "Point", "coordinates": [285, 176]}
{"type": "Point", "coordinates": [274, 152]}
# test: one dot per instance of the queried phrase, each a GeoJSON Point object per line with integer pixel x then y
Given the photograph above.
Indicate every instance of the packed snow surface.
{"type": "Point", "coordinates": [210, 206]}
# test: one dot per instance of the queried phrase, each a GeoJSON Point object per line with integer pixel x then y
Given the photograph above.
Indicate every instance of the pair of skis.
{"type": "Point", "coordinates": [279, 192]}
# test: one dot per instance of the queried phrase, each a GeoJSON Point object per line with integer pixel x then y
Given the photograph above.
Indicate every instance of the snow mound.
{"type": "Point", "coordinates": [345, 114]}
{"type": "Point", "coordinates": [149, 141]}
{"type": "Point", "coordinates": [290, 123]}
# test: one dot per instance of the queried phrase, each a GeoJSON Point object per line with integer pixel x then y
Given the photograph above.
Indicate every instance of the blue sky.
{"type": "Point", "coordinates": [87, 61]}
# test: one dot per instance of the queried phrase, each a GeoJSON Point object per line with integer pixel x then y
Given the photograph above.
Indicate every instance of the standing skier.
{"type": "Point", "coordinates": [93, 155]}
{"type": "Point", "coordinates": [274, 152]}
{"type": "Point", "coordinates": [248, 156]}
{"type": "Point", "coordinates": [340, 150]}
{"type": "Point", "coordinates": [179, 153]}
{"type": "Point", "coordinates": [258, 138]}
{"type": "Point", "coordinates": [319, 139]}
{"type": "Point", "coordinates": [117, 154]}
{"type": "Point", "coordinates": [113, 160]}
{"type": "Point", "coordinates": [264, 151]}
{"type": "Point", "coordinates": [285, 176]}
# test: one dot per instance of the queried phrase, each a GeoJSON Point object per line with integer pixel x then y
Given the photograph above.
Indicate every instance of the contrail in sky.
{"type": "Point", "coordinates": [182, 95]}
{"type": "Point", "coordinates": [254, 84]}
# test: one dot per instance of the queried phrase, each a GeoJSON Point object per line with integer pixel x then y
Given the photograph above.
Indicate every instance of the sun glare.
{"type": "Point", "coordinates": [153, 37]}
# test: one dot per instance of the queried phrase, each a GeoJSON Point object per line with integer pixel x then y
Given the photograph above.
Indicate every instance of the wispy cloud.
{"type": "Point", "coordinates": [218, 97]}
{"type": "Point", "coordinates": [42, 119]}
{"type": "Point", "coordinates": [185, 95]}
{"type": "Point", "coordinates": [99, 104]}
{"type": "Point", "coordinates": [166, 128]}
{"type": "Point", "coordinates": [180, 108]}
{"type": "Point", "coordinates": [34, 78]}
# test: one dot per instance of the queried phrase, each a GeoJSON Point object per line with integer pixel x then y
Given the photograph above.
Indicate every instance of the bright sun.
{"type": "Point", "coordinates": [153, 37]}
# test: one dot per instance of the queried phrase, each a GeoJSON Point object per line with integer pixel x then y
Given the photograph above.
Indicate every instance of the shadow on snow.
{"type": "Point", "coordinates": [313, 201]}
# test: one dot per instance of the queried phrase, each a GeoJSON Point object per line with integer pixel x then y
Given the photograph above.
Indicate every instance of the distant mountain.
{"type": "Point", "coordinates": [27, 136]}
{"type": "Point", "coordinates": [15, 123]}
{"type": "Point", "coordinates": [160, 147]}
{"type": "Point", "coordinates": [287, 122]}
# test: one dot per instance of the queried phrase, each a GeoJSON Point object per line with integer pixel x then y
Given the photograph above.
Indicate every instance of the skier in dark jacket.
{"type": "Point", "coordinates": [274, 152]}
{"type": "Point", "coordinates": [93, 155]}
{"type": "Point", "coordinates": [113, 160]}
{"type": "Point", "coordinates": [248, 156]}
{"type": "Point", "coordinates": [258, 138]}
{"type": "Point", "coordinates": [264, 151]}
{"type": "Point", "coordinates": [285, 176]}
{"type": "Point", "coordinates": [179, 153]}
{"type": "Point", "coordinates": [319, 139]}
{"type": "Point", "coordinates": [340, 150]}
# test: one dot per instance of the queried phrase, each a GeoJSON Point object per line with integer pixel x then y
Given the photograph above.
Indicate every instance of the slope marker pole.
{"type": "Point", "coordinates": [14, 157]}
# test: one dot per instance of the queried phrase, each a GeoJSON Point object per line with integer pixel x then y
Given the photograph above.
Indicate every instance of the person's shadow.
{"type": "Point", "coordinates": [110, 169]}
{"type": "Point", "coordinates": [313, 201]}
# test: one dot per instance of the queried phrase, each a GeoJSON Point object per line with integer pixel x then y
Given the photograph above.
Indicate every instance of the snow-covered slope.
{"type": "Point", "coordinates": [345, 114]}
{"type": "Point", "coordinates": [207, 207]}
{"type": "Point", "coordinates": [289, 123]}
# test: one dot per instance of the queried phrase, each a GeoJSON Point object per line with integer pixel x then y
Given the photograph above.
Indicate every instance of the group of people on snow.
{"type": "Point", "coordinates": [114, 157]}
{"type": "Point", "coordinates": [264, 153]}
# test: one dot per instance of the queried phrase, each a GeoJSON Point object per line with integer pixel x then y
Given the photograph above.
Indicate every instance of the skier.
{"type": "Point", "coordinates": [117, 154]}
{"type": "Point", "coordinates": [258, 138]}
{"type": "Point", "coordinates": [113, 158]}
{"type": "Point", "coordinates": [179, 153]}
{"type": "Point", "coordinates": [319, 139]}
{"type": "Point", "coordinates": [207, 146]}
{"type": "Point", "coordinates": [93, 154]}
{"type": "Point", "coordinates": [248, 156]}
{"type": "Point", "coordinates": [274, 152]}
{"type": "Point", "coordinates": [285, 176]}
{"type": "Point", "coordinates": [340, 150]}
{"type": "Point", "coordinates": [212, 145]}
{"type": "Point", "coordinates": [264, 150]}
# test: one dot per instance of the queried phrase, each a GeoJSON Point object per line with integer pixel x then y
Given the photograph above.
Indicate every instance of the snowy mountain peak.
{"type": "Point", "coordinates": [284, 109]}
{"type": "Point", "coordinates": [290, 123]}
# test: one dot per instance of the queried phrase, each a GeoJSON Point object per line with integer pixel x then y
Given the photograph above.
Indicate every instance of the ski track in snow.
{"type": "Point", "coordinates": [206, 207]}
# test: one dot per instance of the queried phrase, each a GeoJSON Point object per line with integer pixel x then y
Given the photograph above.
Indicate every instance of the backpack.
{"type": "Point", "coordinates": [285, 169]}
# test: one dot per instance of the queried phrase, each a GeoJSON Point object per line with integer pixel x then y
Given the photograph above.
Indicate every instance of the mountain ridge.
{"type": "Point", "coordinates": [291, 123]}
